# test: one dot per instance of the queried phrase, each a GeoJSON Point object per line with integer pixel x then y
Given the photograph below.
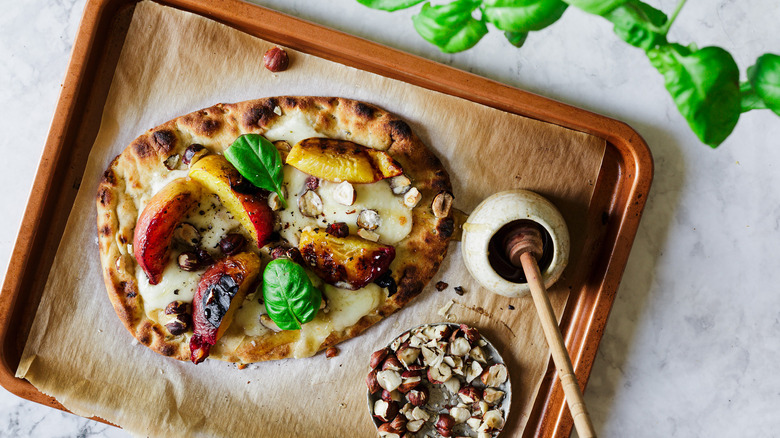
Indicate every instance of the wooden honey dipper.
{"type": "Point", "coordinates": [524, 248]}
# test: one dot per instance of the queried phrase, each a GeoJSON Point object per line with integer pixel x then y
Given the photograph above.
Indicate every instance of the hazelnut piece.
{"type": "Point", "coordinates": [186, 234]}
{"type": "Point", "coordinates": [176, 327]}
{"type": "Point", "coordinates": [368, 235]}
{"type": "Point", "coordinates": [193, 153]}
{"type": "Point", "coordinates": [372, 383]}
{"type": "Point", "coordinates": [495, 375]}
{"type": "Point", "coordinates": [338, 229]}
{"type": "Point", "coordinates": [444, 425]}
{"type": "Point", "coordinates": [331, 352]}
{"type": "Point", "coordinates": [418, 396]}
{"type": "Point", "coordinates": [344, 193]}
{"type": "Point", "coordinates": [389, 379]}
{"type": "Point", "coordinates": [460, 415]}
{"type": "Point", "coordinates": [492, 395]}
{"type": "Point", "coordinates": [276, 60]}
{"type": "Point", "coordinates": [378, 357]}
{"type": "Point", "coordinates": [268, 323]}
{"type": "Point", "coordinates": [469, 394]}
{"type": "Point", "coordinates": [400, 184]}
{"type": "Point", "coordinates": [188, 261]}
{"type": "Point", "coordinates": [391, 363]}
{"type": "Point", "coordinates": [369, 220]}
{"type": "Point", "coordinates": [384, 410]}
{"type": "Point", "coordinates": [310, 204]}
{"type": "Point", "coordinates": [441, 204]}
{"type": "Point", "coordinates": [232, 243]}
{"type": "Point", "coordinates": [172, 162]}
{"type": "Point", "coordinates": [412, 197]}
{"type": "Point", "coordinates": [415, 425]}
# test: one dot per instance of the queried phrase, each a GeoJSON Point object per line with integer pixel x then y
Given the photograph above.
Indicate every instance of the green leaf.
{"type": "Point", "coordinates": [258, 160]}
{"type": "Point", "coordinates": [705, 87]}
{"type": "Point", "coordinates": [389, 5]}
{"type": "Point", "coordinates": [597, 7]}
{"type": "Point", "coordinates": [639, 24]}
{"type": "Point", "coordinates": [522, 15]}
{"type": "Point", "coordinates": [764, 76]}
{"type": "Point", "coordinates": [517, 39]}
{"type": "Point", "coordinates": [450, 27]}
{"type": "Point", "coordinates": [290, 298]}
{"type": "Point", "coordinates": [749, 98]}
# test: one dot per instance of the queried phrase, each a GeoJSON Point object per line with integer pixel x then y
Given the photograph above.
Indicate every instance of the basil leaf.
{"type": "Point", "coordinates": [597, 7]}
{"type": "Point", "coordinates": [639, 24]}
{"type": "Point", "coordinates": [517, 39]}
{"type": "Point", "coordinates": [522, 15]}
{"type": "Point", "coordinates": [705, 87]}
{"type": "Point", "coordinates": [389, 5]}
{"type": "Point", "coordinates": [258, 160]}
{"type": "Point", "coordinates": [764, 76]}
{"type": "Point", "coordinates": [450, 27]}
{"type": "Point", "coordinates": [290, 298]}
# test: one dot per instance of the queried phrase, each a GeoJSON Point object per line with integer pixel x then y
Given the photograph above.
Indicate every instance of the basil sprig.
{"type": "Point", "coordinates": [258, 160]}
{"type": "Point", "coordinates": [290, 297]}
{"type": "Point", "coordinates": [704, 83]}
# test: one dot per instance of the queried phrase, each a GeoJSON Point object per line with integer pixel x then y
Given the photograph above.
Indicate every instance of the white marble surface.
{"type": "Point", "coordinates": [691, 346]}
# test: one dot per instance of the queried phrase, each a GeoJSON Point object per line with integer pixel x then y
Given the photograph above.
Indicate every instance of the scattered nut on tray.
{"type": "Point", "coordinates": [438, 380]}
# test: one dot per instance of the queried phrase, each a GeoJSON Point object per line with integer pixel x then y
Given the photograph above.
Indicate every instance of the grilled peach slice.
{"type": "Point", "coordinates": [236, 194]}
{"type": "Point", "coordinates": [221, 290]}
{"type": "Point", "coordinates": [348, 262]}
{"type": "Point", "coordinates": [342, 160]}
{"type": "Point", "coordinates": [154, 229]}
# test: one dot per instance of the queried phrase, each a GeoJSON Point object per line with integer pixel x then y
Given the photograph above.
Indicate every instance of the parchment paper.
{"type": "Point", "coordinates": [173, 63]}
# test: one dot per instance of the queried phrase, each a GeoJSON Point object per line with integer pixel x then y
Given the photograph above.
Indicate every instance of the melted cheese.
{"type": "Point", "coordinates": [292, 129]}
{"type": "Point", "coordinates": [396, 218]}
{"type": "Point", "coordinates": [346, 307]}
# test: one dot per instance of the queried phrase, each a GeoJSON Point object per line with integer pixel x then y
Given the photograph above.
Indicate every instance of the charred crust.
{"type": "Point", "coordinates": [104, 195]}
{"type": "Point", "coordinates": [289, 102]}
{"type": "Point", "coordinates": [109, 177]}
{"type": "Point", "coordinates": [106, 230]}
{"type": "Point", "coordinates": [164, 140]}
{"type": "Point", "coordinates": [364, 111]}
{"type": "Point", "coordinates": [142, 148]}
{"type": "Point", "coordinates": [446, 227]}
{"type": "Point", "coordinates": [259, 115]}
{"type": "Point", "coordinates": [399, 129]}
{"type": "Point", "coordinates": [167, 350]}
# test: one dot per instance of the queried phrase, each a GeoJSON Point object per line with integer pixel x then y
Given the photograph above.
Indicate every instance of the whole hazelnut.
{"type": "Point", "coordinates": [276, 60]}
{"type": "Point", "coordinates": [176, 327]}
{"type": "Point", "coordinates": [204, 257]}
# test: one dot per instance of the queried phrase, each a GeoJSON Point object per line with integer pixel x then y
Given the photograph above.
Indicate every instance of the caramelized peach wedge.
{"type": "Point", "coordinates": [347, 262]}
{"type": "Point", "coordinates": [239, 196]}
{"type": "Point", "coordinates": [342, 160]}
{"type": "Point", "coordinates": [154, 229]}
{"type": "Point", "coordinates": [221, 290]}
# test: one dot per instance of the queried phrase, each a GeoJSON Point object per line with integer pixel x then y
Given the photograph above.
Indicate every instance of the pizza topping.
{"type": "Point", "coordinates": [275, 202]}
{"type": "Point", "coordinates": [369, 220]}
{"type": "Point", "coordinates": [344, 193]}
{"type": "Point", "coordinates": [188, 261]}
{"type": "Point", "coordinates": [310, 204]}
{"type": "Point", "coordinates": [251, 210]}
{"type": "Point", "coordinates": [400, 184]}
{"type": "Point", "coordinates": [312, 183]}
{"type": "Point", "coordinates": [221, 290]}
{"type": "Point", "coordinates": [349, 262]}
{"type": "Point", "coordinates": [283, 147]}
{"type": "Point", "coordinates": [232, 243]}
{"type": "Point", "coordinates": [276, 60]}
{"type": "Point", "coordinates": [338, 229]}
{"type": "Point", "coordinates": [441, 204]}
{"type": "Point", "coordinates": [412, 197]}
{"type": "Point", "coordinates": [342, 160]}
{"type": "Point", "coordinates": [180, 311]}
{"type": "Point", "coordinates": [158, 220]}
{"type": "Point", "coordinates": [193, 153]}
{"type": "Point", "coordinates": [186, 234]}
{"type": "Point", "coordinates": [269, 323]}
{"type": "Point", "coordinates": [290, 297]}
{"type": "Point", "coordinates": [172, 162]}
{"type": "Point", "coordinates": [368, 235]}
{"type": "Point", "coordinates": [257, 159]}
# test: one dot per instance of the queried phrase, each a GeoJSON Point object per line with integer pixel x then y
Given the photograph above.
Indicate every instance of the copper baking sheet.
{"type": "Point", "coordinates": [612, 220]}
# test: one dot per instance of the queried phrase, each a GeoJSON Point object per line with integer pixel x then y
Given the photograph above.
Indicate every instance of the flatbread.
{"type": "Point", "coordinates": [137, 173]}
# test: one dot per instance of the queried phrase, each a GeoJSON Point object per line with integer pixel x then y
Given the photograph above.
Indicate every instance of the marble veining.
{"type": "Point", "coordinates": [691, 346]}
